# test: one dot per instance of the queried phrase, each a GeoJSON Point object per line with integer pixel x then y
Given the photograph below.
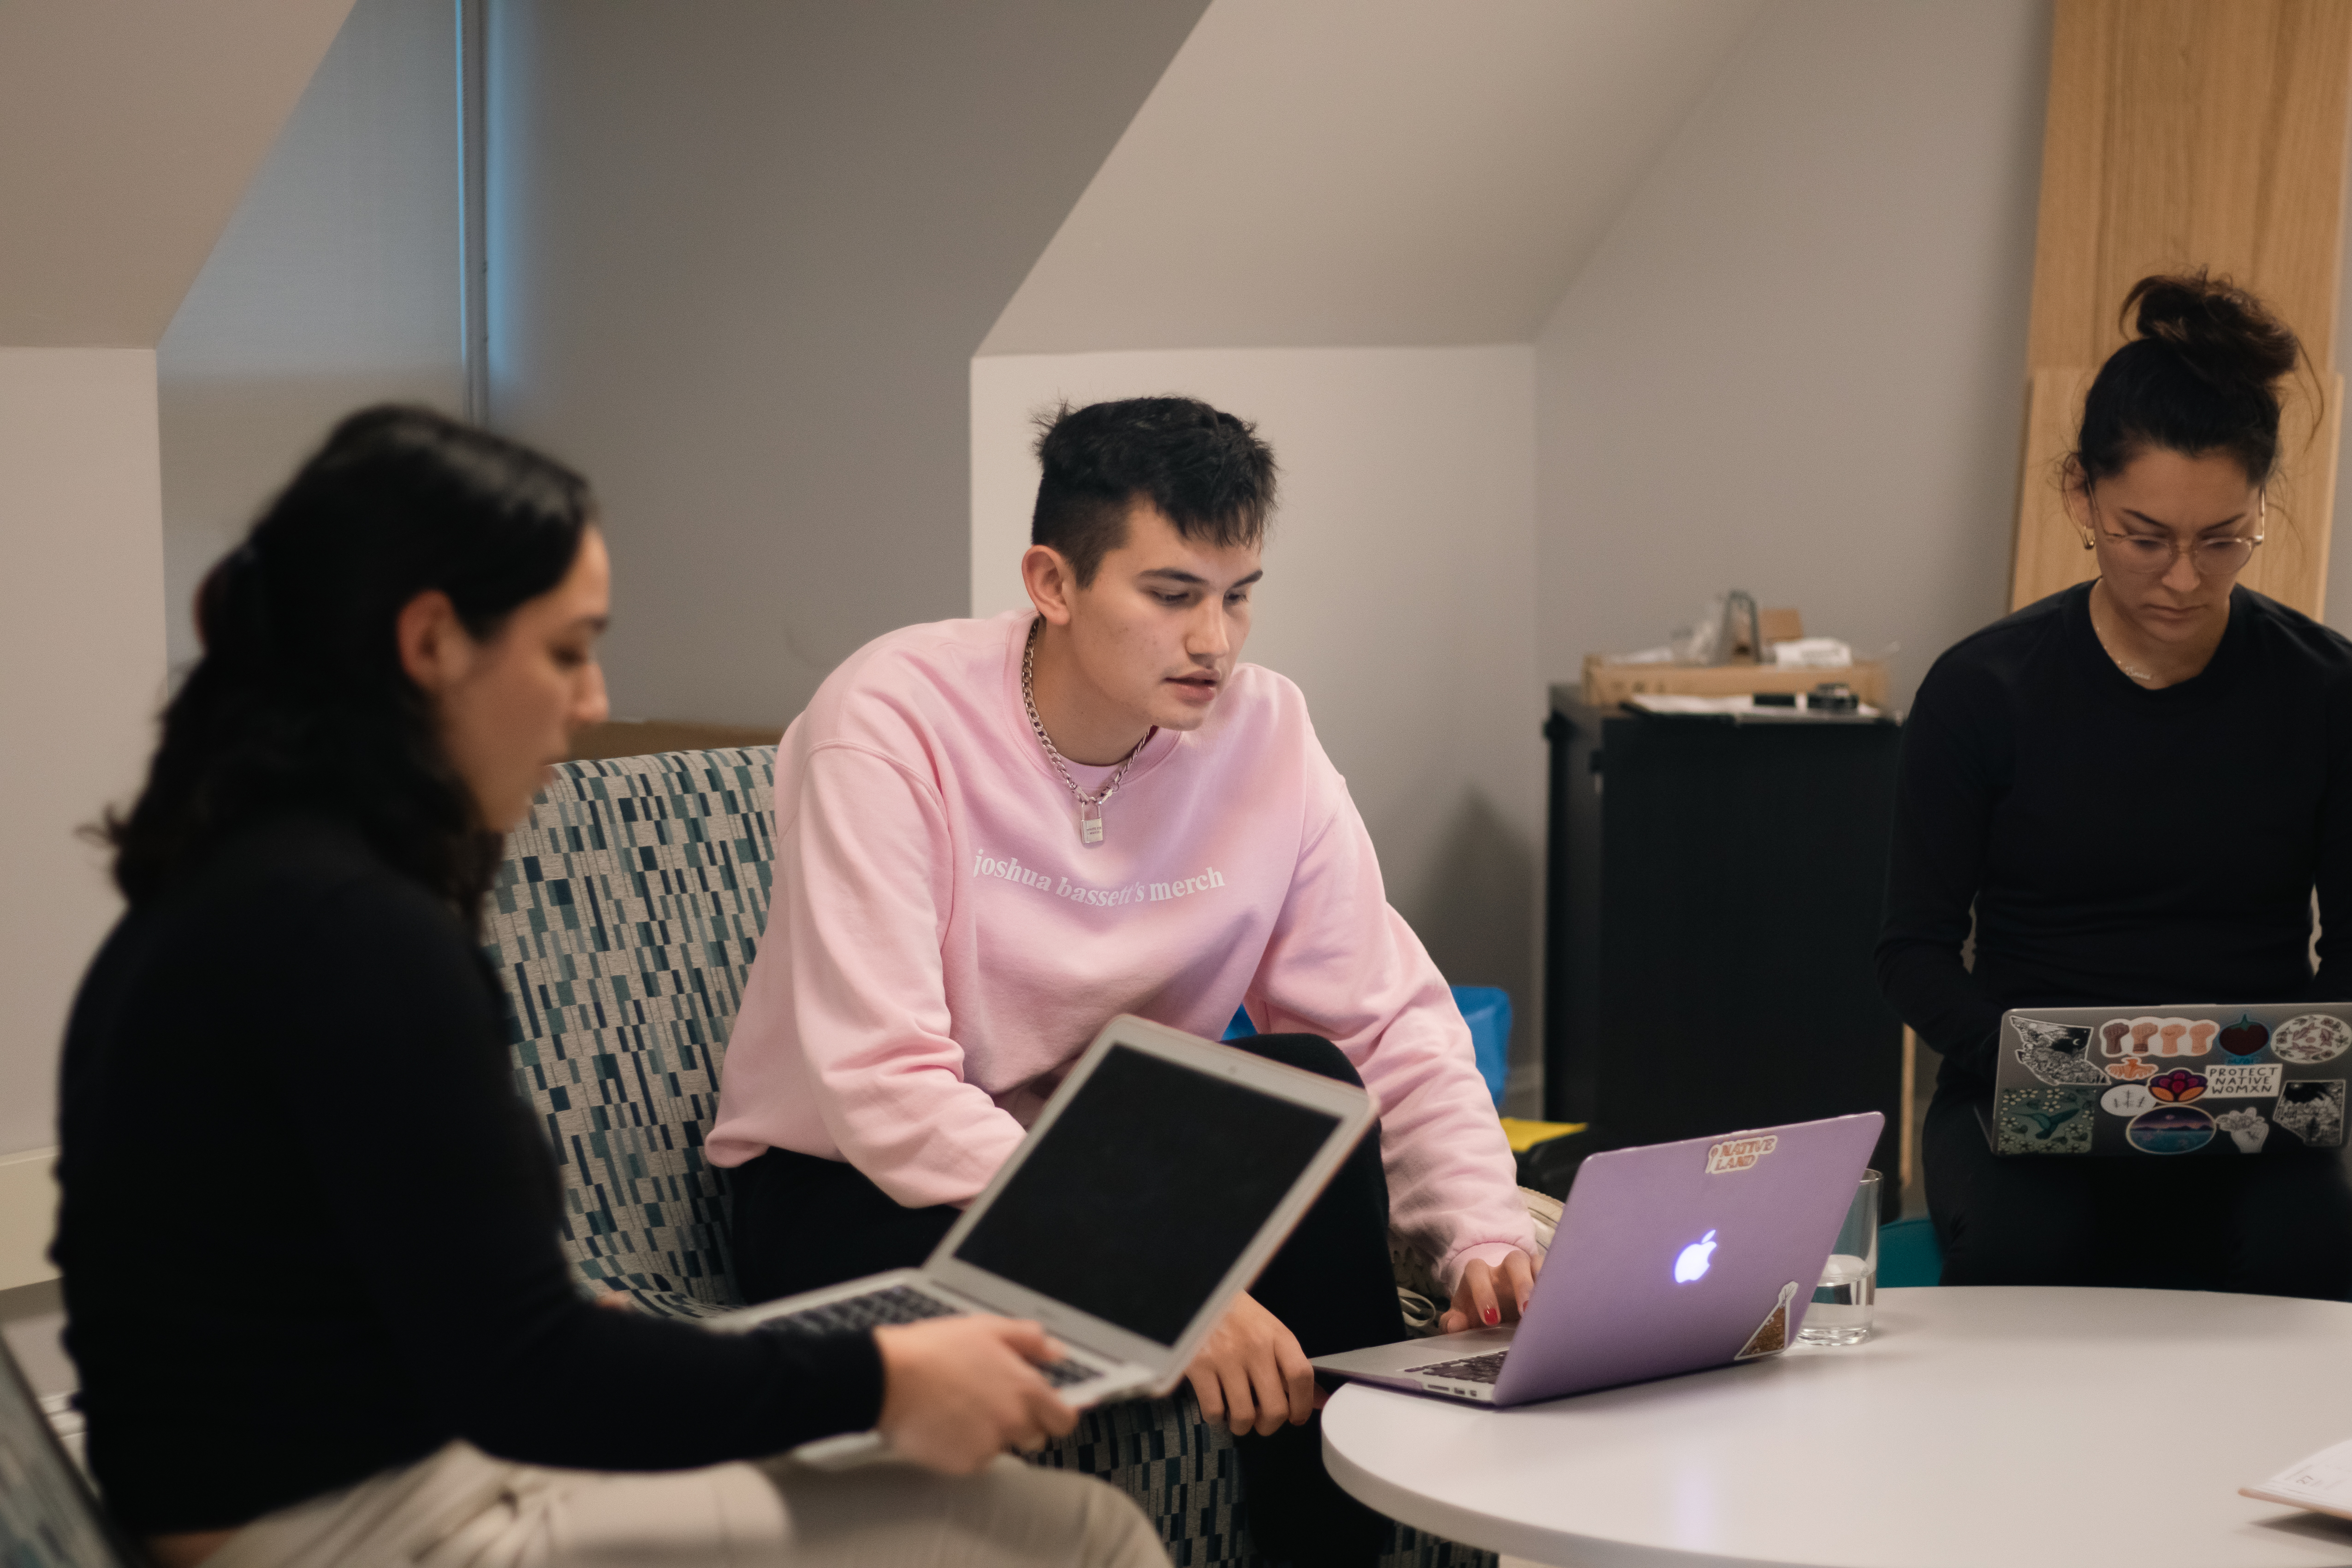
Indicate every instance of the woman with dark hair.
{"type": "Point", "coordinates": [316, 1302]}
{"type": "Point", "coordinates": [2134, 788]}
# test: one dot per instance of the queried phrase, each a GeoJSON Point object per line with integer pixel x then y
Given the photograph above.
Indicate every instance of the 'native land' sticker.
{"type": "Point", "coordinates": [2044, 1120]}
{"type": "Point", "coordinates": [1739, 1153]}
{"type": "Point", "coordinates": [2312, 1112]}
{"type": "Point", "coordinates": [2243, 1081]}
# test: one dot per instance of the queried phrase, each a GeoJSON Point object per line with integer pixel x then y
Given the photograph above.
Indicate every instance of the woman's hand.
{"type": "Point", "coordinates": [958, 1392]}
{"type": "Point", "coordinates": [1251, 1375]}
{"type": "Point", "coordinates": [1486, 1296]}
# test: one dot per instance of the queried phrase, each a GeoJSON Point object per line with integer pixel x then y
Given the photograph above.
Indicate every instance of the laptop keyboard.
{"type": "Point", "coordinates": [873, 1310]}
{"type": "Point", "coordinates": [1472, 1369]}
{"type": "Point", "coordinates": [898, 1304]}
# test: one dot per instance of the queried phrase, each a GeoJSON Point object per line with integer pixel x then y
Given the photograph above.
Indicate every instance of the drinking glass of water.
{"type": "Point", "coordinates": [1841, 1308]}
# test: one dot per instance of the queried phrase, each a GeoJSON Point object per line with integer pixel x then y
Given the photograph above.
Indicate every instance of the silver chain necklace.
{"type": "Point", "coordinates": [1090, 821]}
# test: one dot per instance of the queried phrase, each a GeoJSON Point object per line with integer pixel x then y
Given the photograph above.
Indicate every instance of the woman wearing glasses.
{"type": "Point", "coordinates": [2134, 788]}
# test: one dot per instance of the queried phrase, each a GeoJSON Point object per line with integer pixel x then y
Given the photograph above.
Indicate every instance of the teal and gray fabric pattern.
{"type": "Point", "coordinates": [624, 922]}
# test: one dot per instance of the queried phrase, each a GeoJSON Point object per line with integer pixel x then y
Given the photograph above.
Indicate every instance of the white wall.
{"type": "Point", "coordinates": [1796, 366]}
{"type": "Point", "coordinates": [335, 285]}
{"type": "Point", "coordinates": [1398, 594]}
{"type": "Point", "coordinates": [1370, 172]}
{"type": "Point", "coordinates": [126, 132]}
{"type": "Point", "coordinates": [81, 635]}
{"type": "Point", "coordinates": [740, 255]}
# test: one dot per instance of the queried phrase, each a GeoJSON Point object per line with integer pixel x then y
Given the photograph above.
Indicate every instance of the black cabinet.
{"type": "Point", "coordinates": [1712, 898]}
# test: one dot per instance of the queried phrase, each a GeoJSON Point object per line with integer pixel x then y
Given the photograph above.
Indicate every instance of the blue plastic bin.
{"type": "Point", "coordinates": [1486, 1008]}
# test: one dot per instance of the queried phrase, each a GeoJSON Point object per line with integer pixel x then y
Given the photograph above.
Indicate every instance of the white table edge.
{"type": "Point", "coordinates": [1490, 1534]}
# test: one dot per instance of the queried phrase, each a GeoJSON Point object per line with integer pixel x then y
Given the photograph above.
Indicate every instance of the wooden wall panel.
{"type": "Point", "coordinates": [2184, 133]}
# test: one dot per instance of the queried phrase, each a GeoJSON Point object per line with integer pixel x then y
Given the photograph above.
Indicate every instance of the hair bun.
{"type": "Point", "coordinates": [2219, 331]}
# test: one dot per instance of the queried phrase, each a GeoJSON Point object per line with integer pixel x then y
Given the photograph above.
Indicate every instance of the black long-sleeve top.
{"type": "Point", "coordinates": [2120, 845]}
{"type": "Point", "coordinates": [308, 1229]}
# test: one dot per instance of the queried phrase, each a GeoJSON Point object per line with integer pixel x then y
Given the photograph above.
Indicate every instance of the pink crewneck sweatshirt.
{"type": "Point", "coordinates": [940, 945]}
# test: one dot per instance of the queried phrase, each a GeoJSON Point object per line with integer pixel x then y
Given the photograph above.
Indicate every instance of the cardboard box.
{"type": "Point", "coordinates": [1606, 684]}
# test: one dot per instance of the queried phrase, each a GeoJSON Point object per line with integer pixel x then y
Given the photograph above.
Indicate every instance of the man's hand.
{"type": "Point", "coordinates": [1486, 1295]}
{"type": "Point", "coordinates": [958, 1392]}
{"type": "Point", "coordinates": [1251, 1375]}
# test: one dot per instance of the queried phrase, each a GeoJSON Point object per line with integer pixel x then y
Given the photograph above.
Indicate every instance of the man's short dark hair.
{"type": "Point", "coordinates": [1206, 471]}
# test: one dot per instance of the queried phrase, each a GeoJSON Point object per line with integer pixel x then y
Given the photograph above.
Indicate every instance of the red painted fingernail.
{"type": "Point", "coordinates": [1492, 1317]}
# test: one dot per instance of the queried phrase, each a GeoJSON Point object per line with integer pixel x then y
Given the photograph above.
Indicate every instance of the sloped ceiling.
{"type": "Point", "coordinates": [128, 131]}
{"type": "Point", "coordinates": [1370, 172]}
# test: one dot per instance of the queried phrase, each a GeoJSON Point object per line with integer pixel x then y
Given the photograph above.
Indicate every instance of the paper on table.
{"type": "Point", "coordinates": [2322, 1483]}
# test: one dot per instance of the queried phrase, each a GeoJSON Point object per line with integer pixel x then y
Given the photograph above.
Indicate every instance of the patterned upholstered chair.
{"type": "Point", "coordinates": [624, 922]}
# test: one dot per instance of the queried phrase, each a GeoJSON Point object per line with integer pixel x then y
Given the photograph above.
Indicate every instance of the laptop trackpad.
{"type": "Point", "coordinates": [1409, 1356]}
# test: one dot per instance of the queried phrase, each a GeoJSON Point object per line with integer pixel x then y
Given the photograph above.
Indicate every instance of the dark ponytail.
{"type": "Point", "coordinates": [300, 701]}
{"type": "Point", "coordinates": [2200, 375]}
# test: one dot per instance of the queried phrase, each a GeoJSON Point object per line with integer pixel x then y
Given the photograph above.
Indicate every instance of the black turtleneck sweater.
{"type": "Point", "coordinates": [2120, 847]}
{"type": "Point", "coordinates": [308, 1229]}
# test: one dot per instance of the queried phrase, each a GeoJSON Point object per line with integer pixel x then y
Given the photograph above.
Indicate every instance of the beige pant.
{"type": "Point", "coordinates": [461, 1508]}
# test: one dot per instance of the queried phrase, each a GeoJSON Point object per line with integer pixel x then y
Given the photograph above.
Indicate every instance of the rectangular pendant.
{"type": "Point", "coordinates": [1090, 825]}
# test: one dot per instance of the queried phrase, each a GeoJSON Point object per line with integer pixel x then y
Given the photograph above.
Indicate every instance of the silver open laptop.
{"type": "Point", "coordinates": [1149, 1192]}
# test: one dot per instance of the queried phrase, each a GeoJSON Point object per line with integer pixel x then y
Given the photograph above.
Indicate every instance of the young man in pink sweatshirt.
{"type": "Point", "coordinates": [992, 836]}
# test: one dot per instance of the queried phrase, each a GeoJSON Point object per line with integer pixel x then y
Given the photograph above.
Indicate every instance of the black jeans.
{"type": "Point", "coordinates": [801, 1222]}
{"type": "Point", "coordinates": [2274, 1224]}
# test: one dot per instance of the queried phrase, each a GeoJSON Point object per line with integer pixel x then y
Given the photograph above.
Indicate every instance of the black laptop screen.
{"type": "Point", "coordinates": [1147, 1187]}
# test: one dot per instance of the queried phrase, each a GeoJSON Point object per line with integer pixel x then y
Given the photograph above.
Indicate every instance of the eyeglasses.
{"type": "Point", "coordinates": [2152, 555]}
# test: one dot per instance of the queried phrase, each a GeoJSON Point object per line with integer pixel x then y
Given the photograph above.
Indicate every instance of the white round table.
{"type": "Point", "coordinates": [2024, 1427]}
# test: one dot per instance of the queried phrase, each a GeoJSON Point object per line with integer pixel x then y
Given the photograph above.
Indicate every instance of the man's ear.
{"type": "Point", "coordinates": [1046, 573]}
{"type": "Point", "coordinates": [434, 648]}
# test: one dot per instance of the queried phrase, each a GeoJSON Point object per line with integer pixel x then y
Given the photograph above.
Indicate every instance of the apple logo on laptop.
{"type": "Point", "coordinates": [1693, 1262]}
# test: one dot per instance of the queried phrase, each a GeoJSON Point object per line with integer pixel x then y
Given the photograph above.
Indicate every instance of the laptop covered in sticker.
{"type": "Point", "coordinates": [1668, 1259]}
{"type": "Point", "coordinates": [2182, 1078]}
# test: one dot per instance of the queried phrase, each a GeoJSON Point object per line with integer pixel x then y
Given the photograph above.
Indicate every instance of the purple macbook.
{"type": "Point", "coordinates": [1667, 1259]}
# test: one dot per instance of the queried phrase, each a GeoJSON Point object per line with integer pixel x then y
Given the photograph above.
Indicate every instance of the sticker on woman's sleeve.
{"type": "Point", "coordinates": [1771, 1335]}
{"type": "Point", "coordinates": [2313, 1111]}
{"type": "Point", "coordinates": [2312, 1037]}
{"type": "Point", "coordinates": [2056, 1053]}
{"type": "Point", "coordinates": [2245, 1127]}
{"type": "Point", "coordinates": [2170, 1130]}
{"type": "Point", "coordinates": [2243, 1081]}
{"type": "Point", "coordinates": [2044, 1120]}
